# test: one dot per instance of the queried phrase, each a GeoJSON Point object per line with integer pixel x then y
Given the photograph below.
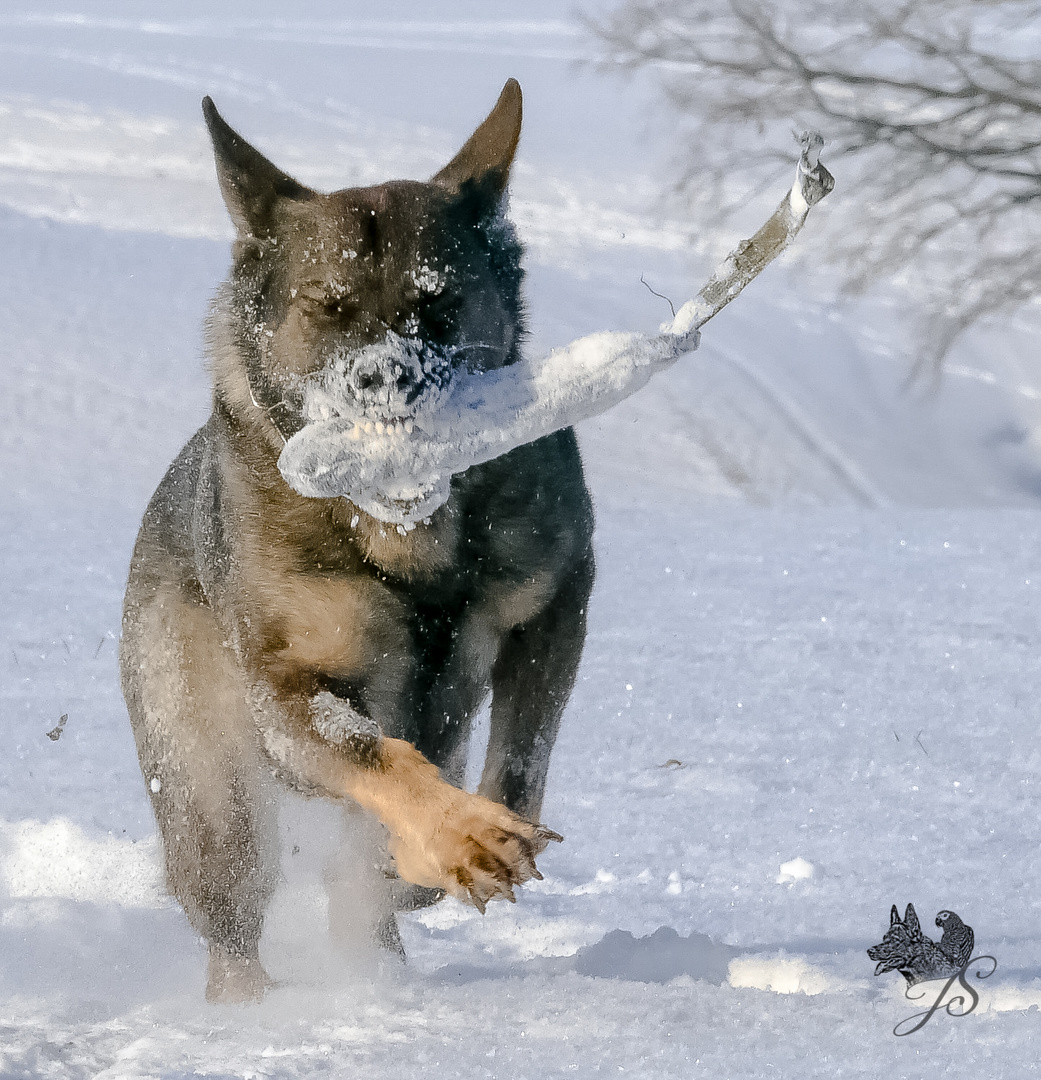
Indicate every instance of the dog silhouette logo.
{"type": "Point", "coordinates": [905, 948]}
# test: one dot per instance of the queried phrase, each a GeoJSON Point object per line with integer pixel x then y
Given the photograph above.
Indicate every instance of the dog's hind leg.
{"type": "Point", "coordinates": [209, 788]}
{"type": "Point", "coordinates": [531, 681]}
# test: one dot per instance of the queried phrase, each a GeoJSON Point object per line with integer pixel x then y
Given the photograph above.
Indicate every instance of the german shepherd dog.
{"type": "Point", "coordinates": [271, 636]}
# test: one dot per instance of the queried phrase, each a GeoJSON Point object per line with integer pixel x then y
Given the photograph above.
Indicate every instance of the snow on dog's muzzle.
{"type": "Point", "coordinates": [380, 384]}
{"type": "Point", "coordinates": [369, 398]}
{"type": "Point", "coordinates": [386, 378]}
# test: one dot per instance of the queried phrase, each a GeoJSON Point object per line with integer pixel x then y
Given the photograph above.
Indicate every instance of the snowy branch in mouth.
{"type": "Point", "coordinates": [402, 476]}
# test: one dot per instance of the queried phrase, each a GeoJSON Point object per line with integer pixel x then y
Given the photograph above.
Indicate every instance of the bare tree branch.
{"type": "Point", "coordinates": [933, 106]}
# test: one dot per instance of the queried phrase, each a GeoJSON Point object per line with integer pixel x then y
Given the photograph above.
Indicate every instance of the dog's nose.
{"type": "Point", "coordinates": [380, 373]}
{"type": "Point", "coordinates": [368, 377]}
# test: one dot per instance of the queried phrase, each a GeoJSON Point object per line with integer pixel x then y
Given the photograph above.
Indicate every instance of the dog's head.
{"type": "Point", "coordinates": [361, 304]}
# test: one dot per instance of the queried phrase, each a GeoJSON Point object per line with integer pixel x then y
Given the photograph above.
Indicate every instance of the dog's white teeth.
{"type": "Point", "coordinates": [379, 428]}
{"type": "Point", "coordinates": [367, 427]}
{"type": "Point", "coordinates": [409, 426]}
{"type": "Point", "coordinates": [356, 432]}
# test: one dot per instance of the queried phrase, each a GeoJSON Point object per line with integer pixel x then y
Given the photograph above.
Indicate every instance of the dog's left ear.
{"type": "Point", "coordinates": [251, 185]}
{"type": "Point", "coordinates": [484, 161]}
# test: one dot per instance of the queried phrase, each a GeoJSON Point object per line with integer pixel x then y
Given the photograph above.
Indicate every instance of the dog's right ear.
{"type": "Point", "coordinates": [250, 184]}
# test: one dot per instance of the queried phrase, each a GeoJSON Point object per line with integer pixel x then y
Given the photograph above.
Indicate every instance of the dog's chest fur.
{"type": "Point", "coordinates": [320, 584]}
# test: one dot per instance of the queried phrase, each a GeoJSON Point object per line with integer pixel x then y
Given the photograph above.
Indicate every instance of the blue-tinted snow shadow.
{"type": "Point", "coordinates": [656, 958]}
{"type": "Point", "coordinates": [659, 957]}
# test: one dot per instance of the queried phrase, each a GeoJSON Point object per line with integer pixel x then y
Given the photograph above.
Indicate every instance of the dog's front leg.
{"type": "Point", "coordinates": [440, 837]}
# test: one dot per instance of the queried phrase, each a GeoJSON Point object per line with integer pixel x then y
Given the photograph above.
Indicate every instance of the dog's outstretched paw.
{"type": "Point", "coordinates": [493, 859]}
{"type": "Point", "coordinates": [444, 838]}
{"type": "Point", "coordinates": [475, 849]}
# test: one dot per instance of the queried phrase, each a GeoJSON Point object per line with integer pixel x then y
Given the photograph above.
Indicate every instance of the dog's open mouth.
{"type": "Point", "coordinates": [369, 461]}
{"type": "Point", "coordinates": [380, 425]}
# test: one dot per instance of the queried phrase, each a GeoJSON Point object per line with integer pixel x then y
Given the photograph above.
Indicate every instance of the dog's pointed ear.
{"type": "Point", "coordinates": [251, 185]}
{"type": "Point", "coordinates": [484, 161]}
{"type": "Point", "coordinates": [911, 920]}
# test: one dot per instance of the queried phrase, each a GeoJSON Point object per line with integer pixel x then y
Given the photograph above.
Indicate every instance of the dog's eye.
{"type": "Point", "coordinates": [321, 305]}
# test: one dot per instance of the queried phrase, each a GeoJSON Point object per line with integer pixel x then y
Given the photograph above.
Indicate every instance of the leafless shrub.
{"type": "Point", "coordinates": [932, 110]}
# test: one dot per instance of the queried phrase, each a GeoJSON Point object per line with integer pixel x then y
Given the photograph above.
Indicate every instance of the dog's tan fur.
{"type": "Point", "coordinates": [270, 635]}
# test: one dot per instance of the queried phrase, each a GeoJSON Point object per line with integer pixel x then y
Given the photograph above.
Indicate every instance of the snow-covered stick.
{"type": "Point", "coordinates": [812, 183]}
{"type": "Point", "coordinates": [401, 472]}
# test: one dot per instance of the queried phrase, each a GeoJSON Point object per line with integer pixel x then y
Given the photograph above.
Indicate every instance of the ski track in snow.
{"type": "Point", "coordinates": [846, 471]}
{"type": "Point", "coordinates": [785, 721]}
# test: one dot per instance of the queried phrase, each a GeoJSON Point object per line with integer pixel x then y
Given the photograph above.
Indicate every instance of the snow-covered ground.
{"type": "Point", "coordinates": [814, 635]}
